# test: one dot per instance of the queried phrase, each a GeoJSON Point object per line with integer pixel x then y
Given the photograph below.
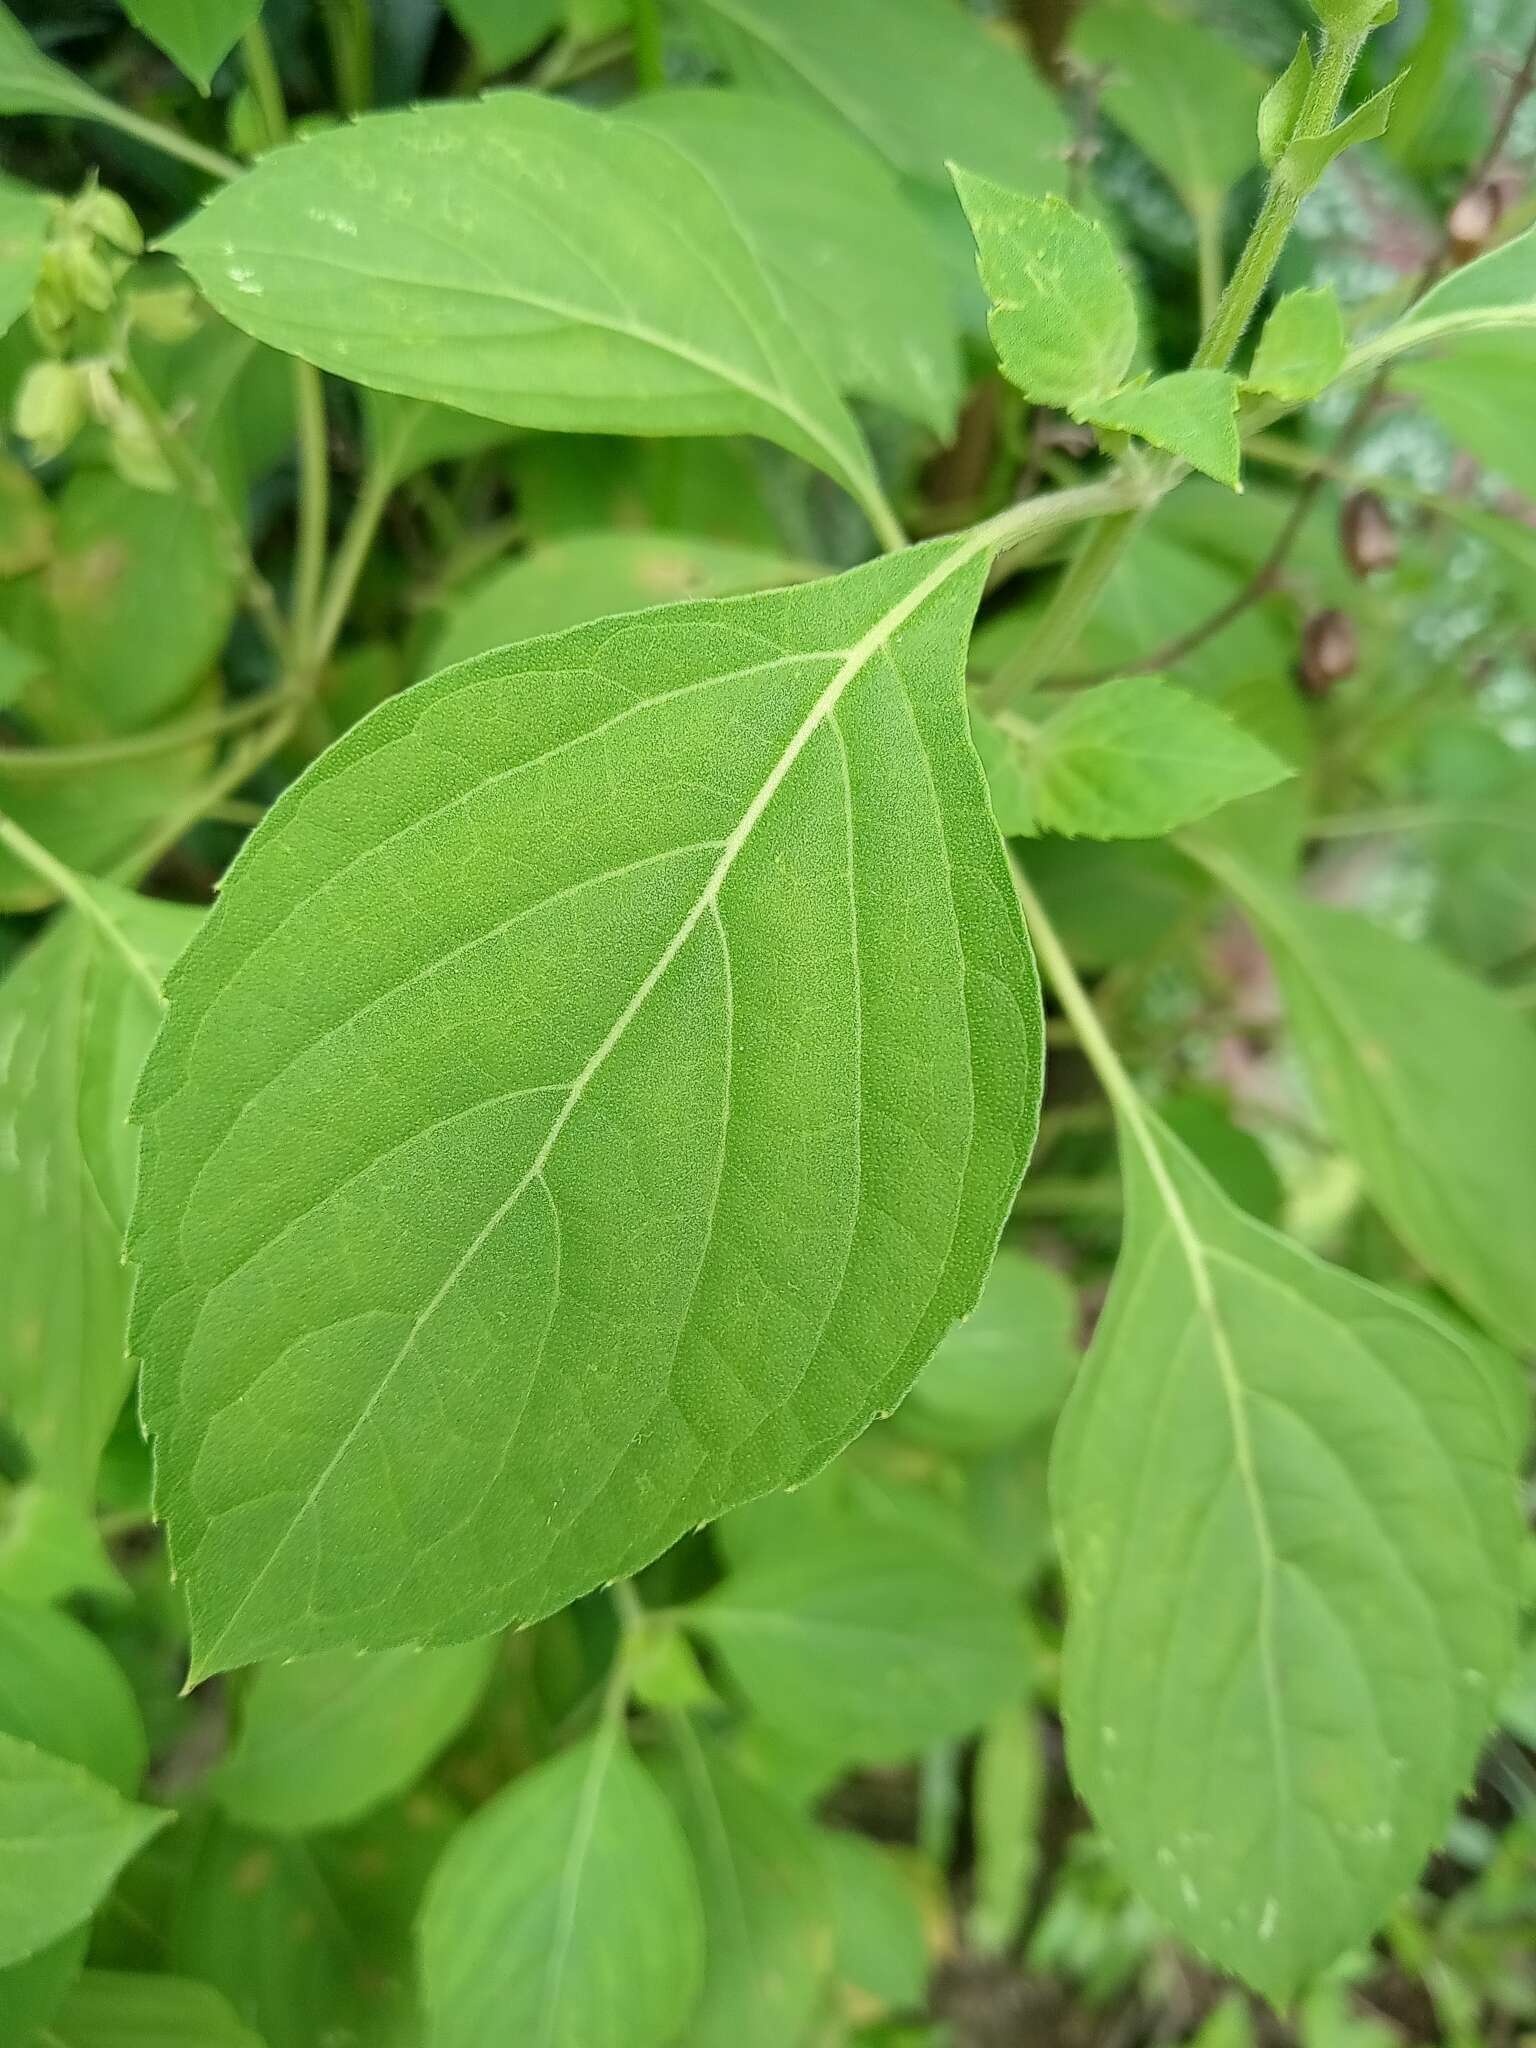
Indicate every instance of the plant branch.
{"type": "Point", "coordinates": [42, 764]}
{"type": "Point", "coordinates": [314, 501]}
{"type": "Point", "coordinates": [266, 86]}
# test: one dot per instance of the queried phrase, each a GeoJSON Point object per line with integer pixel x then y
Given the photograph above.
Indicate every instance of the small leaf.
{"type": "Point", "coordinates": [565, 1911]}
{"type": "Point", "coordinates": [1302, 347]}
{"type": "Point", "coordinates": [64, 1836]}
{"type": "Point", "coordinates": [77, 1014]}
{"type": "Point", "coordinates": [876, 1903]}
{"type": "Point", "coordinates": [116, 2009]}
{"type": "Point", "coordinates": [380, 250]}
{"type": "Point", "coordinates": [921, 83]}
{"type": "Point", "coordinates": [51, 1548]}
{"type": "Point", "coordinates": [385, 1408]}
{"type": "Point", "coordinates": [769, 1930]}
{"type": "Point", "coordinates": [325, 1738]}
{"type": "Point", "coordinates": [1135, 758]}
{"type": "Point", "coordinates": [1287, 1513]}
{"type": "Point", "coordinates": [504, 32]}
{"type": "Point", "coordinates": [64, 1693]}
{"type": "Point", "coordinates": [23, 236]}
{"type": "Point", "coordinates": [196, 34]}
{"type": "Point", "coordinates": [861, 280]}
{"type": "Point", "coordinates": [872, 1649]}
{"type": "Point", "coordinates": [1428, 1080]}
{"type": "Point", "coordinates": [1187, 98]}
{"type": "Point", "coordinates": [1192, 414]}
{"type": "Point", "coordinates": [1005, 1370]}
{"type": "Point", "coordinates": [597, 576]}
{"type": "Point", "coordinates": [1280, 108]}
{"type": "Point", "coordinates": [1063, 320]}
{"type": "Point", "coordinates": [1308, 156]}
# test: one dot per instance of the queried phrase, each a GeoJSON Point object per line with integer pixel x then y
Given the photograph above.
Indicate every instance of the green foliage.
{"type": "Point", "coordinates": [566, 1911]}
{"type": "Point", "coordinates": [1288, 1559]}
{"type": "Point", "coordinates": [197, 34]}
{"type": "Point", "coordinates": [1125, 760]}
{"type": "Point", "coordinates": [638, 1018]}
{"type": "Point", "coordinates": [559, 658]}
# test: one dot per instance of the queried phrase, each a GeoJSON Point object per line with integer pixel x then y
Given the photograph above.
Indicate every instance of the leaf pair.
{"type": "Point", "coordinates": [1065, 329]}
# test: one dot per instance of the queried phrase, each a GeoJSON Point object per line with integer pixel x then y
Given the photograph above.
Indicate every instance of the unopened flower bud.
{"type": "Point", "coordinates": [135, 452]}
{"type": "Point", "coordinates": [102, 213]}
{"type": "Point", "coordinates": [1329, 650]}
{"type": "Point", "coordinates": [1366, 534]}
{"type": "Point", "coordinates": [1472, 220]}
{"type": "Point", "coordinates": [84, 274]}
{"type": "Point", "coordinates": [50, 407]}
{"type": "Point", "coordinates": [168, 314]}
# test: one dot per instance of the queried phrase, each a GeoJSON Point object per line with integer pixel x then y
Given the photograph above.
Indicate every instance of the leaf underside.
{"type": "Point", "coordinates": [602, 1081]}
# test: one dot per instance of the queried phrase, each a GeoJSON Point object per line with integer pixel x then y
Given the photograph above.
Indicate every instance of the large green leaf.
{"type": "Point", "coordinates": [31, 1992]}
{"type": "Point", "coordinates": [707, 1096]}
{"type": "Point", "coordinates": [1428, 1080]}
{"type": "Point", "coordinates": [921, 83]}
{"type": "Point", "coordinates": [769, 1931]}
{"type": "Point", "coordinates": [197, 34]}
{"type": "Point", "coordinates": [1286, 1504]}
{"type": "Point", "coordinates": [1130, 759]}
{"type": "Point", "coordinates": [1186, 97]}
{"type": "Point", "coordinates": [116, 2009]}
{"type": "Point", "coordinates": [76, 1018]}
{"type": "Point", "coordinates": [861, 278]}
{"type": "Point", "coordinates": [64, 1836]}
{"type": "Point", "coordinates": [872, 1647]}
{"type": "Point", "coordinates": [324, 1739]}
{"type": "Point", "coordinates": [527, 260]}
{"type": "Point", "coordinates": [23, 235]}
{"type": "Point", "coordinates": [1005, 1370]}
{"type": "Point", "coordinates": [594, 576]}
{"type": "Point", "coordinates": [566, 1912]}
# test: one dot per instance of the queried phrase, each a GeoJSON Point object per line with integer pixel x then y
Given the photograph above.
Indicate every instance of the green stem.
{"type": "Point", "coordinates": [241, 764]}
{"type": "Point", "coordinates": [202, 487]}
{"type": "Point", "coordinates": [649, 51]}
{"type": "Point", "coordinates": [73, 889]}
{"type": "Point", "coordinates": [379, 480]}
{"type": "Point", "coordinates": [41, 764]}
{"type": "Point", "coordinates": [1256, 266]}
{"type": "Point", "coordinates": [266, 86]}
{"type": "Point", "coordinates": [1207, 219]}
{"type": "Point", "coordinates": [314, 502]}
{"type": "Point", "coordinates": [349, 32]}
{"type": "Point", "coordinates": [1071, 606]}
{"type": "Point", "coordinates": [1077, 1005]}
{"type": "Point", "coordinates": [170, 141]}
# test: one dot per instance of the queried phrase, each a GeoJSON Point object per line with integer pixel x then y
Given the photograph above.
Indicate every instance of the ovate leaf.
{"type": "Point", "coordinates": [1302, 347]}
{"type": "Point", "coordinates": [1428, 1080]}
{"type": "Point", "coordinates": [1187, 98]}
{"type": "Point", "coordinates": [769, 1931]}
{"type": "Point", "coordinates": [739, 994]}
{"type": "Point", "coordinates": [527, 260]}
{"type": "Point", "coordinates": [920, 84]}
{"type": "Point", "coordinates": [324, 1739]}
{"type": "Point", "coordinates": [870, 1648]}
{"type": "Point", "coordinates": [861, 280]}
{"type": "Point", "coordinates": [1287, 1513]}
{"type": "Point", "coordinates": [76, 1017]}
{"type": "Point", "coordinates": [595, 576]}
{"type": "Point", "coordinates": [116, 2009]}
{"type": "Point", "coordinates": [62, 1691]}
{"type": "Point", "coordinates": [1063, 320]}
{"type": "Point", "coordinates": [64, 1836]}
{"type": "Point", "coordinates": [505, 31]}
{"type": "Point", "coordinates": [50, 1547]}
{"type": "Point", "coordinates": [565, 1912]}
{"type": "Point", "coordinates": [1005, 1369]}
{"type": "Point", "coordinates": [1192, 413]}
{"type": "Point", "coordinates": [31, 83]}
{"type": "Point", "coordinates": [196, 34]}
{"type": "Point", "coordinates": [23, 234]}
{"type": "Point", "coordinates": [1129, 759]}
